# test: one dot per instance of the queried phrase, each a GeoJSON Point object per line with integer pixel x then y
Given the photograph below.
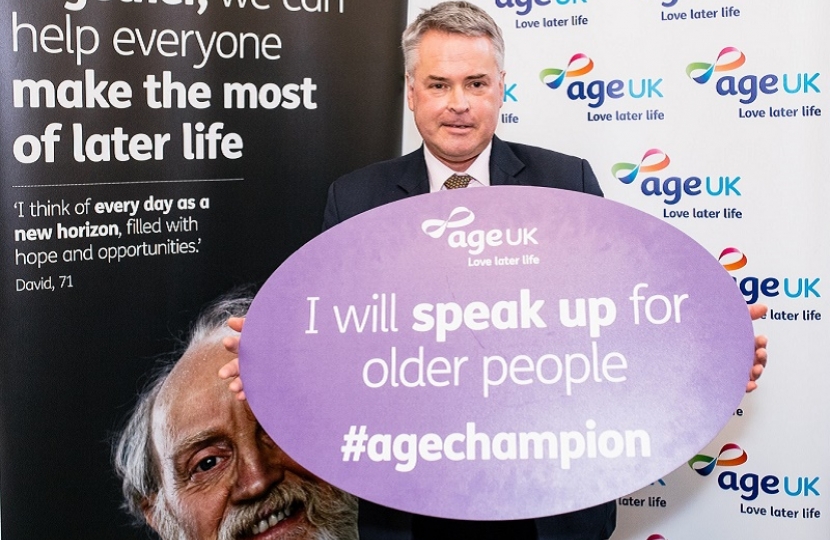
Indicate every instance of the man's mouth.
{"type": "Point", "coordinates": [270, 521]}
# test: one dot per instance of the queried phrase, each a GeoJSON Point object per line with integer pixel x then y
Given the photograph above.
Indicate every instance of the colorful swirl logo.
{"type": "Point", "coordinates": [578, 65]}
{"type": "Point", "coordinates": [725, 62]}
{"type": "Point", "coordinates": [459, 217]}
{"type": "Point", "coordinates": [627, 172]}
{"type": "Point", "coordinates": [704, 465]}
{"type": "Point", "coordinates": [734, 265]}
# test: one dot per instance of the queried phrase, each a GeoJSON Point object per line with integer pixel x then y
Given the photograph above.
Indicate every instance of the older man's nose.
{"type": "Point", "coordinates": [258, 468]}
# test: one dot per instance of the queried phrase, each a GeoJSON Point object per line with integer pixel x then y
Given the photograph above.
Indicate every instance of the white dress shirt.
{"type": "Point", "coordinates": [438, 173]}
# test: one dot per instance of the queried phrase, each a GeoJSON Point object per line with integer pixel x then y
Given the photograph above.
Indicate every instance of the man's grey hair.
{"type": "Point", "coordinates": [133, 455]}
{"type": "Point", "coordinates": [455, 18]}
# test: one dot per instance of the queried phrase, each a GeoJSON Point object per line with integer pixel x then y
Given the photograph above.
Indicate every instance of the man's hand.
{"type": "Point", "coordinates": [231, 369]}
{"type": "Point", "coordinates": [756, 311]}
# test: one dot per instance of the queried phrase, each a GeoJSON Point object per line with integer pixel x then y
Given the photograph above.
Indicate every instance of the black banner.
{"type": "Point", "coordinates": [155, 155]}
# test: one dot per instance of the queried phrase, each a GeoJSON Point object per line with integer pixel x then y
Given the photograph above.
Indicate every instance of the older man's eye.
{"type": "Point", "coordinates": [207, 464]}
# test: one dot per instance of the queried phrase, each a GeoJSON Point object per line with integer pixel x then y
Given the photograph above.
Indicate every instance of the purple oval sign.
{"type": "Point", "coordinates": [498, 353]}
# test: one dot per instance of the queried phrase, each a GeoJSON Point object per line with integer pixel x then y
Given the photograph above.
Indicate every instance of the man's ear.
{"type": "Point", "coordinates": [410, 85]}
{"type": "Point", "coordinates": [502, 77]}
{"type": "Point", "coordinates": [148, 508]}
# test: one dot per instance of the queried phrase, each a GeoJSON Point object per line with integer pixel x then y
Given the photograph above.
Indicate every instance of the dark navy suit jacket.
{"type": "Point", "coordinates": [511, 164]}
{"type": "Point", "coordinates": [388, 181]}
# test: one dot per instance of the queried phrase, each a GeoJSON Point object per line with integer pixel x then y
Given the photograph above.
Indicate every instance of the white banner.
{"type": "Point", "coordinates": [711, 115]}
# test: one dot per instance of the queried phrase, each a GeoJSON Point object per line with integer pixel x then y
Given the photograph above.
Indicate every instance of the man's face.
{"type": "Point", "coordinates": [455, 91]}
{"type": "Point", "coordinates": [222, 475]}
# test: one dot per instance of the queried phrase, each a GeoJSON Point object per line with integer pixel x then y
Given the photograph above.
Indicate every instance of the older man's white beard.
{"type": "Point", "coordinates": [330, 512]}
{"type": "Point", "coordinates": [163, 521]}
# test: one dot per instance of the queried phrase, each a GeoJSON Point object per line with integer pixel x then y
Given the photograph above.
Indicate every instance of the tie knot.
{"type": "Point", "coordinates": [458, 181]}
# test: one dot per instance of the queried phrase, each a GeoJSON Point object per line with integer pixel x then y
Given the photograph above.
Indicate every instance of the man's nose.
{"type": "Point", "coordinates": [458, 100]}
{"type": "Point", "coordinates": [259, 467]}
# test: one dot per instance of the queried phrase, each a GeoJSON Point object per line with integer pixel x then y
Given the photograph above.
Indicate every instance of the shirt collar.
{"type": "Point", "coordinates": [478, 169]}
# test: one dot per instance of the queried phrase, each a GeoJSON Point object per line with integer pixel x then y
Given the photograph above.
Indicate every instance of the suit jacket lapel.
{"type": "Point", "coordinates": [414, 179]}
{"type": "Point", "coordinates": [504, 165]}
{"type": "Point", "coordinates": [504, 168]}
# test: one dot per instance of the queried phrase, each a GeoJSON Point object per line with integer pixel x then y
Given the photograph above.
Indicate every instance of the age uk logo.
{"type": "Point", "coordinates": [749, 86]}
{"type": "Point", "coordinates": [751, 484]}
{"type": "Point", "coordinates": [597, 91]}
{"type": "Point", "coordinates": [753, 287]}
{"type": "Point", "coordinates": [672, 187]}
{"type": "Point", "coordinates": [477, 240]}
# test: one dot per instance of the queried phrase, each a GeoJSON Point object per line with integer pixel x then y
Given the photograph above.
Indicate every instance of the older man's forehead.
{"type": "Point", "coordinates": [193, 398]}
{"type": "Point", "coordinates": [197, 369]}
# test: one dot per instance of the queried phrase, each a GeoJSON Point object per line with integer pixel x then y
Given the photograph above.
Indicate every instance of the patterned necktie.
{"type": "Point", "coordinates": [458, 181]}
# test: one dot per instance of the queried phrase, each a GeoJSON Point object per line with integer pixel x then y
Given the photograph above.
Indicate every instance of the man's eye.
{"type": "Point", "coordinates": [206, 464]}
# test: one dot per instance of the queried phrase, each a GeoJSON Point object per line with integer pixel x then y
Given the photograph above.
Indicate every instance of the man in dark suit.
{"type": "Point", "coordinates": [454, 56]}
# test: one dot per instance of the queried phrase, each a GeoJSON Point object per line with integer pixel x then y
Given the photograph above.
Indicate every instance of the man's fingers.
{"type": "Point", "coordinates": [231, 344]}
{"type": "Point", "coordinates": [235, 386]}
{"type": "Point", "coordinates": [230, 370]}
{"type": "Point", "coordinates": [760, 357]}
{"type": "Point", "coordinates": [236, 323]}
